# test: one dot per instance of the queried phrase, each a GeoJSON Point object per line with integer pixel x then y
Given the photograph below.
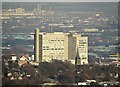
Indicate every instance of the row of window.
{"type": "Point", "coordinates": [54, 53]}
{"type": "Point", "coordinates": [84, 58]}
{"type": "Point", "coordinates": [55, 40]}
{"type": "Point", "coordinates": [82, 42]}
{"type": "Point", "coordinates": [53, 48]}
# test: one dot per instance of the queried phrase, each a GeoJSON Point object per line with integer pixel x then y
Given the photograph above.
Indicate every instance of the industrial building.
{"type": "Point", "coordinates": [61, 46]}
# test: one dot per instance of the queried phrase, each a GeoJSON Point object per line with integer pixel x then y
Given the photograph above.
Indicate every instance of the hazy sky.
{"type": "Point", "coordinates": [59, 0]}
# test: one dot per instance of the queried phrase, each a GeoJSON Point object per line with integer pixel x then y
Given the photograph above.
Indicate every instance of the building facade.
{"type": "Point", "coordinates": [54, 46]}
{"type": "Point", "coordinates": [82, 47]}
{"type": "Point", "coordinates": [63, 46]}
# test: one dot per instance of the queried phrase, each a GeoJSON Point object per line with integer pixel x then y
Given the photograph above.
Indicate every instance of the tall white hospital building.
{"type": "Point", "coordinates": [63, 46]}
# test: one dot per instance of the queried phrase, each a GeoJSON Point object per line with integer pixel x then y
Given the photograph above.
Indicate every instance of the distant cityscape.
{"type": "Point", "coordinates": [60, 44]}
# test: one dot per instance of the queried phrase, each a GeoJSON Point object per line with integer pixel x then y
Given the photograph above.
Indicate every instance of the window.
{"type": "Point", "coordinates": [84, 58]}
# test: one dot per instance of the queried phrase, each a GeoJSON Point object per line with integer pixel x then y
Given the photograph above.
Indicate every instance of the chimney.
{"type": "Point", "coordinates": [37, 45]}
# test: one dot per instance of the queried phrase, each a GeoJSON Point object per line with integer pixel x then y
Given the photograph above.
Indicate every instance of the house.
{"type": "Point", "coordinates": [22, 63]}
{"type": "Point", "coordinates": [24, 58]}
